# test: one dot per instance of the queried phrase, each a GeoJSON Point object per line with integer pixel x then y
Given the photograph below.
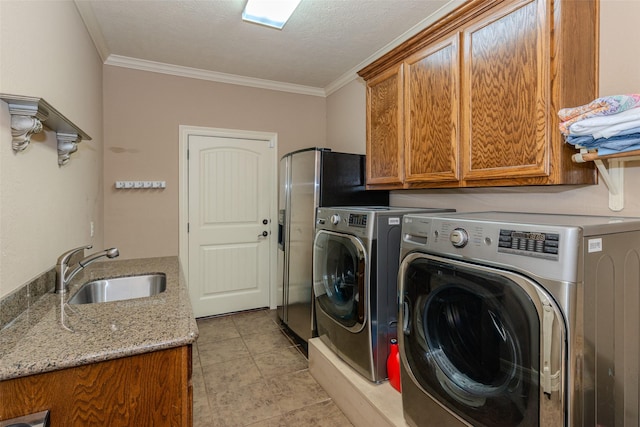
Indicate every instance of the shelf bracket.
{"type": "Point", "coordinates": [67, 144]}
{"type": "Point", "coordinates": [613, 178]}
{"type": "Point", "coordinates": [27, 117]}
{"type": "Point", "coordinates": [612, 173]}
{"type": "Point", "coordinates": [22, 127]}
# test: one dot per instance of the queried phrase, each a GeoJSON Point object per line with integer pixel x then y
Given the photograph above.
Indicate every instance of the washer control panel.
{"type": "Point", "coordinates": [346, 220]}
{"type": "Point", "coordinates": [538, 244]}
{"type": "Point", "coordinates": [543, 249]}
{"type": "Point", "coordinates": [481, 240]}
{"type": "Point", "coordinates": [358, 220]}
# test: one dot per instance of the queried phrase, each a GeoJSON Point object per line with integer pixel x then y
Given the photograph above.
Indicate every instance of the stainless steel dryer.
{"type": "Point", "coordinates": [514, 319]}
{"type": "Point", "coordinates": [356, 256]}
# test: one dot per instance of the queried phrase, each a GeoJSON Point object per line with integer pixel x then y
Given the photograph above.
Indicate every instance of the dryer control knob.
{"type": "Point", "coordinates": [459, 237]}
{"type": "Point", "coordinates": [335, 219]}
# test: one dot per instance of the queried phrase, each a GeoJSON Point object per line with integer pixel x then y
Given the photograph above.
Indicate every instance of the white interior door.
{"type": "Point", "coordinates": [231, 189]}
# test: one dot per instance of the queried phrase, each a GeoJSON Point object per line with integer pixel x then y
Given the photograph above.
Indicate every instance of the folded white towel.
{"type": "Point", "coordinates": [607, 126]}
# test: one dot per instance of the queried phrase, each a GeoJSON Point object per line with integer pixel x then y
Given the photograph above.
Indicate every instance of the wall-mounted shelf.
{"type": "Point", "coordinates": [27, 117]}
{"type": "Point", "coordinates": [612, 174]}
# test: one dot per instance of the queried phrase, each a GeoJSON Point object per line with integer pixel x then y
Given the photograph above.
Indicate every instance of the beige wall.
{"type": "Point", "coordinates": [619, 73]}
{"type": "Point", "coordinates": [346, 118]}
{"type": "Point", "coordinates": [45, 209]}
{"type": "Point", "coordinates": [142, 115]}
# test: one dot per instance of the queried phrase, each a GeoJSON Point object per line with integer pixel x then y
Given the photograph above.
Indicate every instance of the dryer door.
{"type": "Point", "coordinates": [339, 277]}
{"type": "Point", "coordinates": [487, 344]}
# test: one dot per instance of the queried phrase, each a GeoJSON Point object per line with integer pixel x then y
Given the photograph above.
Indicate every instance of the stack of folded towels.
{"type": "Point", "coordinates": [610, 124]}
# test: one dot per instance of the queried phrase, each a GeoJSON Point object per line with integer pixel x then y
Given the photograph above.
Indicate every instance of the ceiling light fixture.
{"type": "Point", "coordinates": [271, 13]}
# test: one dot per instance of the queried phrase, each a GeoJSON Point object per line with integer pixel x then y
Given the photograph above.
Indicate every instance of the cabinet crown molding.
{"type": "Point", "coordinates": [445, 25]}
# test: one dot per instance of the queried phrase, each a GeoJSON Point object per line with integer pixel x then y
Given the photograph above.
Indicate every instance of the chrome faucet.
{"type": "Point", "coordinates": [62, 266]}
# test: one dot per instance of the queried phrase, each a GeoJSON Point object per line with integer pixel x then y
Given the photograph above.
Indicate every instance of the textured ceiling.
{"type": "Point", "coordinates": [324, 41]}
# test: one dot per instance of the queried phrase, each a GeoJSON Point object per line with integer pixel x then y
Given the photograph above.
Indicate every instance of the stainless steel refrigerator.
{"type": "Point", "coordinates": [309, 179]}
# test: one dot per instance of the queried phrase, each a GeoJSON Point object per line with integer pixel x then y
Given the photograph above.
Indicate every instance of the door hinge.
{"type": "Point", "coordinates": [188, 227]}
{"type": "Point", "coordinates": [187, 154]}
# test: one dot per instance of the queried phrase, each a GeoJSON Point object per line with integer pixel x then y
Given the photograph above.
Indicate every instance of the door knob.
{"type": "Point", "coordinates": [264, 234]}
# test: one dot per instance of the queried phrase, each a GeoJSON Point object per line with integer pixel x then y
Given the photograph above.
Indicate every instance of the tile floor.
{"type": "Point", "coordinates": [248, 372]}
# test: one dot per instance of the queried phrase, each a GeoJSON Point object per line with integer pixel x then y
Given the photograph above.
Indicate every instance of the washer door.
{"type": "Point", "coordinates": [339, 278]}
{"type": "Point", "coordinates": [479, 340]}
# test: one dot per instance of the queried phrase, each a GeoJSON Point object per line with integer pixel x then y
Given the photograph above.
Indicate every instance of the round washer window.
{"type": "Point", "coordinates": [337, 279]}
{"type": "Point", "coordinates": [471, 345]}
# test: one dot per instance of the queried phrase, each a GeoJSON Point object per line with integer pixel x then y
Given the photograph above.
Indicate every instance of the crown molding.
{"type": "Point", "coordinates": [352, 74]}
{"type": "Point", "coordinates": [93, 28]}
{"type": "Point", "coordinates": [86, 12]}
{"type": "Point", "coordinates": [195, 73]}
{"type": "Point", "coordinates": [342, 81]}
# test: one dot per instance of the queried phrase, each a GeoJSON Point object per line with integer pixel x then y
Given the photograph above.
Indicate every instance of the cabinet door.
{"type": "Point", "coordinates": [151, 389]}
{"type": "Point", "coordinates": [384, 129]}
{"type": "Point", "coordinates": [431, 106]}
{"type": "Point", "coordinates": [505, 90]}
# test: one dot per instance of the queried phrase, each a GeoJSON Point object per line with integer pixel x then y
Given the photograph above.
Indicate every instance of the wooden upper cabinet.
{"type": "Point", "coordinates": [505, 106]}
{"type": "Point", "coordinates": [384, 129]}
{"type": "Point", "coordinates": [480, 93]}
{"type": "Point", "coordinates": [431, 106]}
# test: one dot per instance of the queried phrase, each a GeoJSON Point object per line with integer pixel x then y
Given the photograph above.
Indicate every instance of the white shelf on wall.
{"type": "Point", "coordinates": [612, 173]}
{"type": "Point", "coordinates": [29, 114]}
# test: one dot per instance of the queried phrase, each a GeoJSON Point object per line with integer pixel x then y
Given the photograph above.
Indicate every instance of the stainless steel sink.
{"type": "Point", "coordinates": [120, 288]}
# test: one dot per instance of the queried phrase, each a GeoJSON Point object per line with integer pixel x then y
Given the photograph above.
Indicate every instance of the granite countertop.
{"type": "Point", "coordinates": [52, 334]}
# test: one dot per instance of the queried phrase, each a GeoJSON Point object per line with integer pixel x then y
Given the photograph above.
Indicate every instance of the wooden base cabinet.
{"type": "Point", "coordinates": [151, 389]}
{"type": "Point", "coordinates": [480, 93]}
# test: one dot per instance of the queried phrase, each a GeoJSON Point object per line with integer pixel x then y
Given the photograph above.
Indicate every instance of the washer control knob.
{"type": "Point", "coordinates": [335, 219]}
{"type": "Point", "coordinates": [459, 237]}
